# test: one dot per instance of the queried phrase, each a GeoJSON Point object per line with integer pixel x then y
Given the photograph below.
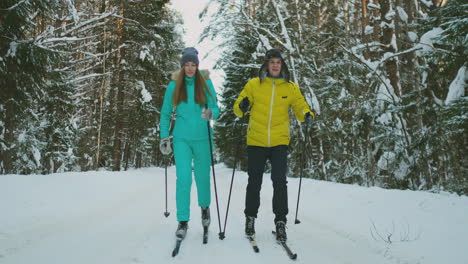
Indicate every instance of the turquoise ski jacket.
{"type": "Point", "coordinates": [188, 124]}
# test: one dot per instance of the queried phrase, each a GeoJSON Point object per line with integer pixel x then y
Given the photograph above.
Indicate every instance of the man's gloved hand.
{"type": "Point", "coordinates": [207, 114]}
{"type": "Point", "coordinates": [244, 104]}
{"type": "Point", "coordinates": [165, 146]}
{"type": "Point", "coordinates": [309, 118]}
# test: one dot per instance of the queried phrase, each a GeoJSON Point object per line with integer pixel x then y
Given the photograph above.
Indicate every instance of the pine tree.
{"type": "Point", "coordinates": [60, 69]}
{"type": "Point", "coordinates": [26, 77]}
{"type": "Point", "coordinates": [230, 136]}
{"type": "Point", "coordinates": [444, 146]}
{"type": "Point", "coordinates": [135, 48]}
{"type": "Point", "coordinates": [146, 31]}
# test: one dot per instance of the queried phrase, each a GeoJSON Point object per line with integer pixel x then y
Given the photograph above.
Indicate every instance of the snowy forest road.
{"type": "Point", "coordinates": [117, 217]}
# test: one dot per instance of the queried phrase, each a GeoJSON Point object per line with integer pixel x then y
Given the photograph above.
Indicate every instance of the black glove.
{"type": "Point", "coordinates": [309, 118]}
{"type": "Point", "coordinates": [244, 104]}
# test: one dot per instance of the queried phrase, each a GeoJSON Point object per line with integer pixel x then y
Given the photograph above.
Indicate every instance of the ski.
{"type": "Point", "coordinates": [291, 255]}
{"type": "Point", "coordinates": [177, 247]}
{"type": "Point", "coordinates": [253, 243]}
{"type": "Point", "coordinates": [205, 235]}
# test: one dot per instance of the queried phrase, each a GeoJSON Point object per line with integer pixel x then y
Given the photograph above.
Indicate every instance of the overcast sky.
{"type": "Point", "coordinates": [190, 9]}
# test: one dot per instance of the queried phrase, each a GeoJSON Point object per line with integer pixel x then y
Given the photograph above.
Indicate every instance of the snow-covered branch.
{"type": "Point", "coordinates": [284, 30]}
{"type": "Point", "coordinates": [14, 6]}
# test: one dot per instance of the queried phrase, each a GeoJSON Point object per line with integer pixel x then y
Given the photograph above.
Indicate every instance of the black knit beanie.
{"type": "Point", "coordinates": [189, 54]}
{"type": "Point", "coordinates": [273, 53]}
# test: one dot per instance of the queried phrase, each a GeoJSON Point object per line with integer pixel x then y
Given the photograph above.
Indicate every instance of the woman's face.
{"type": "Point", "coordinates": [274, 67]}
{"type": "Point", "coordinates": [190, 69]}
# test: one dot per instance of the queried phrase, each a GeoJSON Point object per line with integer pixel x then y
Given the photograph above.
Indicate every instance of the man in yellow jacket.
{"type": "Point", "coordinates": [269, 97]}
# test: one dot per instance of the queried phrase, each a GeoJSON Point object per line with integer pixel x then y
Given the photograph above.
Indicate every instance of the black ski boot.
{"type": "Point", "coordinates": [249, 226]}
{"type": "Point", "coordinates": [205, 216]}
{"type": "Point", "coordinates": [182, 229]}
{"type": "Point", "coordinates": [281, 231]}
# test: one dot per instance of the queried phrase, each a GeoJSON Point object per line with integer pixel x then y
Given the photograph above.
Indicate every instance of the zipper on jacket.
{"type": "Point", "coordinates": [271, 111]}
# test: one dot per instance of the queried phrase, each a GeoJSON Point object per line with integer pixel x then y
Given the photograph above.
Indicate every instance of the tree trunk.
{"type": "Point", "coordinates": [9, 138]}
{"type": "Point", "coordinates": [376, 28]}
{"type": "Point", "coordinates": [127, 152]}
{"type": "Point", "coordinates": [346, 5]}
{"type": "Point", "coordinates": [410, 9]}
{"type": "Point", "coordinates": [318, 19]}
{"type": "Point", "coordinates": [371, 163]}
{"type": "Point", "coordinates": [10, 118]}
{"type": "Point", "coordinates": [102, 93]}
{"type": "Point", "coordinates": [138, 157]}
{"type": "Point", "coordinates": [357, 18]}
{"type": "Point", "coordinates": [118, 129]}
{"type": "Point", "coordinates": [391, 65]}
{"type": "Point", "coordinates": [398, 28]}
{"type": "Point", "coordinates": [365, 22]}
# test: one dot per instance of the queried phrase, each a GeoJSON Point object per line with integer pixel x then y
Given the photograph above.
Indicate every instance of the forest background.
{"type": "Point", "coordinates": [81, 85]}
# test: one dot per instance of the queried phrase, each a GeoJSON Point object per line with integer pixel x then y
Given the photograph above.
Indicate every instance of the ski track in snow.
{"type": "Point", "coordinates": [125, 224]}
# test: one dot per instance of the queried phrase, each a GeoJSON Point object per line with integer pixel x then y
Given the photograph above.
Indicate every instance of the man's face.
{"type": "Point", "coordinates": [190, 69]}
{"type": "Point", "coordinates": [274, 67]}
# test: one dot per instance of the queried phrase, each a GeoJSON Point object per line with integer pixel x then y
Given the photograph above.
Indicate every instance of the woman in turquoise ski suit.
{"type": "Point", "coordinates": [192, 96]}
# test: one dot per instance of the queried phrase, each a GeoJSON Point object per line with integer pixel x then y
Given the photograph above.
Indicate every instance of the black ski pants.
{"type": "Point", "coordinates": [257, 158]}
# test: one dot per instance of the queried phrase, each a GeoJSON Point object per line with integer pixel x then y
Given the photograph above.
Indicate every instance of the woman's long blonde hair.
{"type": "Point", "coordinates": [180, 93]}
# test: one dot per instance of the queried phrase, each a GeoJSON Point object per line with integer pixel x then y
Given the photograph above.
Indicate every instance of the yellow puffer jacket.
{"type": "Point", "coordinates": [270, 100]}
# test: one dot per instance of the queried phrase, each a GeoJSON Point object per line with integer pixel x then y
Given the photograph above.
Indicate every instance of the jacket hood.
{"type": "Point", "coordinates": [263, 72]}
{"type": "Point", "coordinates": [205, 73]}
{"type": "Point", "coordinates": [273, 53]}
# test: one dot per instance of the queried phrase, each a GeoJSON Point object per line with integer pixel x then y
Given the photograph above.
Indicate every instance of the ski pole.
{"type": "Point", "coordinates": [297, 221]}
{"type": "Point", "coordinates": [299, 191]}
{"type": "Point", "coordinates": [166, 213]}
{"type": "Point", "coordinates": [214, 176]}
{"type": "Point", "coordinates": [221, 235]}
{"type": "Point", "coordinates": [168, 159]}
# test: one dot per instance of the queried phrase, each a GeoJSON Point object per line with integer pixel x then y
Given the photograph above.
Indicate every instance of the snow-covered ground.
{"type": "Point", "coordinates": [117, 217]}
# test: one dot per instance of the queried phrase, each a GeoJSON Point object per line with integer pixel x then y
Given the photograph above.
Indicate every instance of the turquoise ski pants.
{"type": "Point", "coordinates": [186, 151]}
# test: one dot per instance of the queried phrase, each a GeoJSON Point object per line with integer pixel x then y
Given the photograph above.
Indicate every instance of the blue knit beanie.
{"type": "Point", "coordinates": [189, 54]}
